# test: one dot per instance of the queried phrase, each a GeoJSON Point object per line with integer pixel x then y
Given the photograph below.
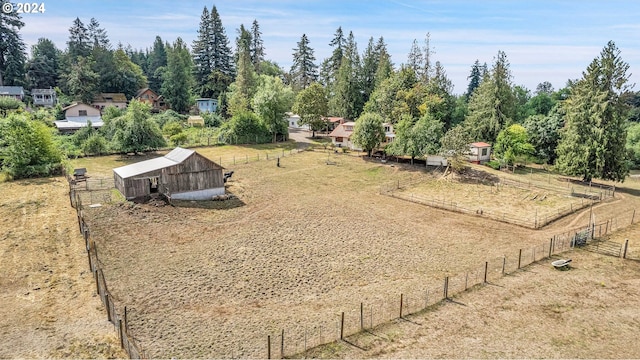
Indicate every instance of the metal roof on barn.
{"type": "Point", "coordinates": [176, 156]}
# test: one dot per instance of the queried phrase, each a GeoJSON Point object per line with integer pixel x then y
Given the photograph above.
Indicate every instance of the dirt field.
{"type": "Point", "coordinates": [49, 308]}
{"type": "Point", "coordinates": [302, 243]}
{"type": "Point", "coordinates": [589, 311]}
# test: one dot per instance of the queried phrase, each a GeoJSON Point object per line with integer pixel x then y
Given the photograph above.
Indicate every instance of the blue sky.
{"type": "Point", "coordinates": [544, 40]}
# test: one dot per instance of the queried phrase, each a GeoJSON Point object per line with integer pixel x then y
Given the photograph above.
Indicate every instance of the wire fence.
{"type": "Point", "coordinates": [305, 339]}
{"type": "Point", "coordinates": [120, 321]}
{"type": "Point", "coordinates": [299, 340]}
{"type": "Point", "coordinates": [538, 219]}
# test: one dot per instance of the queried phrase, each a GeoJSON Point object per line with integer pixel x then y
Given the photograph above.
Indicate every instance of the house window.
{"type": "Point", "coordinates": [387, 129]}
{"type": "Point", "coordinates": [82, 112]}
{"type": "Point", "coordinates": [339, 139]}
{"type": "Point", "coordinates": [484, 152]}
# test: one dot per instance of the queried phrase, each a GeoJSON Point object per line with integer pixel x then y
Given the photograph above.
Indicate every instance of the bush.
{"type": "Point", "coordinates": [494, 164]}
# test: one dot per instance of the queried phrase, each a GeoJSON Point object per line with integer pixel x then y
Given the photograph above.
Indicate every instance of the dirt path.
{"type": "Point", "coordinates": [49, 308]}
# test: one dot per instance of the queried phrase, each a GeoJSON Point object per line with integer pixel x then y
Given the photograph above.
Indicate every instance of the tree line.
{"type": "Point", "coordinates": [588, 128]}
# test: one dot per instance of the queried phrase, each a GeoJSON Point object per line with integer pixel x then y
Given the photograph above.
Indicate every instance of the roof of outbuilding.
{"type": "Point", "coordinates": [341, 131]}
{"type": "Point", "coordinates": [174, 157]}
{"type": "Point", "coordinates": [480, 144]}
{"type": "Point", "coordinates": [11, 90]}
{"type": "Point", "coordinates": [114, 97]}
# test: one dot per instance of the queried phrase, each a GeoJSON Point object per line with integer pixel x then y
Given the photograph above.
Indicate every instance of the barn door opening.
{"type": "Point", "coordinates": [153, 185]}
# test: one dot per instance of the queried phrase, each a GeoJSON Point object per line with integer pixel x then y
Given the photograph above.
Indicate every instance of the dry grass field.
{"type": "Point", "coordinates": [49, 307]}
{"type": "Point", "coordinates": [589, 312]}
{"type": "Point", "coordinates": [300, 244]}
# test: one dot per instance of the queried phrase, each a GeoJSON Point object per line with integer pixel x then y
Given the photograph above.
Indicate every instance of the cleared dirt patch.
{"type": "Point", "coordinates": [307, 241]}
{"type": "Point", "coordinates": [49, 308]}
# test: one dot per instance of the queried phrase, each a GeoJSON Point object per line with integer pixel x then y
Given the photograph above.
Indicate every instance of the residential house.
{"type": "Point", "coordinates": [389, 135]}
{"type": "Point", "coordinates": [44, 97]}
{"type": "Point", "coordinates": [12, 91]}
{"type": "Point", "coordinates": [182, 174]}
{"type": "Point", "coordinates": [333, 122]}
{"type": "Point", "coordinates": [206, 105]}
{"type": "Point", "coordinates": [341, 136]}
{"type": "Point", "coordinates": [479, 152]}
{"type": "Point", "coordinates": [77, 116]}
{"type": "Point", "coordinates": [103, 100]}
{"type": "Point", "coordinates": [150, 97]}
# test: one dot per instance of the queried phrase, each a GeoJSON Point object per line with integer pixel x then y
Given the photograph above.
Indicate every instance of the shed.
{"type": "Point", "coordinates": [182, 174]}
{"type": "Point", "coordinates": [479, 152]}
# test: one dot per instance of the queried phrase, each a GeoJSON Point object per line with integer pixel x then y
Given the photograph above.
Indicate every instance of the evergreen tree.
{"type": "Point", "coordinates": [203, 54]}
{"type": "Point", "coordinates": [257, 47]}
{"type": "Point", "coordinates": [82, 81]}
{"type": "Point", "coordinates": [347, 98]}
{"type": "Point", "coordinates": [385, 66]}
{"type": "Point", "coordinates": [370, 61]}
{"type": "Point", "coordinates": [42, 68]}
{"type": "Point", "coordinates": [103, 64]}
{"type": "Point", "coordinates": [177, 77]}
{"type": "Point", "coordinates": [245, 83]}
{"type": "Point", "coordinates": [544, 88]}
{"type": "Point", "coordinates": [156, 61]}
{"type": "Point", "coordinates": [427, 68]}
{"type": "Point", "coordinates": [474, 79]}
{"type": "Point", "coordinates": [303, 71]}
{"type": "Point", "coordinates": [592, 143]}
{"type": "Point", "coordinates": [492, 105]}
{"type": "Point", "coordinates": [12, 49]}
{"type": "Point", "coordinates": [415, 60]}
{"type": "Point", "coordinates": [97, 35]}
{"type": "Point", "coordinates": [338, 44]}
{"type": "Point", "coordinates": [79, 43]}
{"type": "Point", "coordinates": [222, 57]}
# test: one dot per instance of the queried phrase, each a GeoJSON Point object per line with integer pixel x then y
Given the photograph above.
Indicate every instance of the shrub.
{"type": "Point", "coordinates": [494, 164]}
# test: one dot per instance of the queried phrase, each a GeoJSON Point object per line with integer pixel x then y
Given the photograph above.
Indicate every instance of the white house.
{"type": "Point", "coordinates": [78, 115]}
{"type": "Point", "coordinates": [479, 152]}
{"type": "Point", "coordinates": [341, 136]}
{"type": "Point", "coordinates": [294, 122]}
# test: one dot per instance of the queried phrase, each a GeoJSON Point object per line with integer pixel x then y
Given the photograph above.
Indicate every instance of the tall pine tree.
{"type": "Point", "coordinates": [203, 54]}
{"type": "Point", "coordinates": [97, 35]}
{"type": "Point", "coordinates": [12, 49]}
{"type": "Point", "coordinates": [257, 46]}
{"type": "Point", "coordinates": [592, 143]}
{"type": "Point", "coordinates": [79, 43]}
{"type": "Point", "coordinates": [177, 78]}
{"type": "Point", "coordinates": [303, 71]}
{"type": "Point", "coordinates": [156, 61]}
{"type": "Point", "coordinates": [42, 69]}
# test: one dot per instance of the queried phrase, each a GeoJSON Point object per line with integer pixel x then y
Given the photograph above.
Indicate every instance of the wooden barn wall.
{"type": "Point", "coordinates": [195, 173]}
{"type": "Point", "coordinates": [138, 185]}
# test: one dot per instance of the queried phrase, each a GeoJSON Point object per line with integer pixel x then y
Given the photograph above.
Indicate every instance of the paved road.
{"type": "Point", "coordinates": [301, 137]}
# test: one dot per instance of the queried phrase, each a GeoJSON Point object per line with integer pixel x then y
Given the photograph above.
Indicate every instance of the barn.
{"type": "Point", "coordinates": [182, 174]}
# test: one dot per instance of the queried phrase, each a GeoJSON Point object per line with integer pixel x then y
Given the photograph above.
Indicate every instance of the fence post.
{"type": "Point", "coordinates": [486, 268]}
{"type": "Point", "coordinates": [633, 216]}
{"type": "Point", "coordinates": [626, 246]}
{"type": "Point", "coordinates": [121, 333]}
{"type": "Point", "coordinates": [550, 246]}
{"type": "Point", "coordinates": [268, 346]}
{"type": "Point", "coordinates": [95, 274]}
{"type": "Point", "coordinates": [89, 255]}
{"type": "Point", "coordinates": [446, 287]}
{"type": "Point", "coordinates": [361, 316]}
{"type": "Point", "coordinates": [342, 326]}
{"type": "Point", "coordinates": [519, 258]}
{"type": "Point", "coordinates": [282, 345]}
{"type": "Point", "coordinates": [106, 303]}
{"type": "Point", "coordinates": [401, 298]}
{"type": "Point", "coordinates": [504, 264]}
